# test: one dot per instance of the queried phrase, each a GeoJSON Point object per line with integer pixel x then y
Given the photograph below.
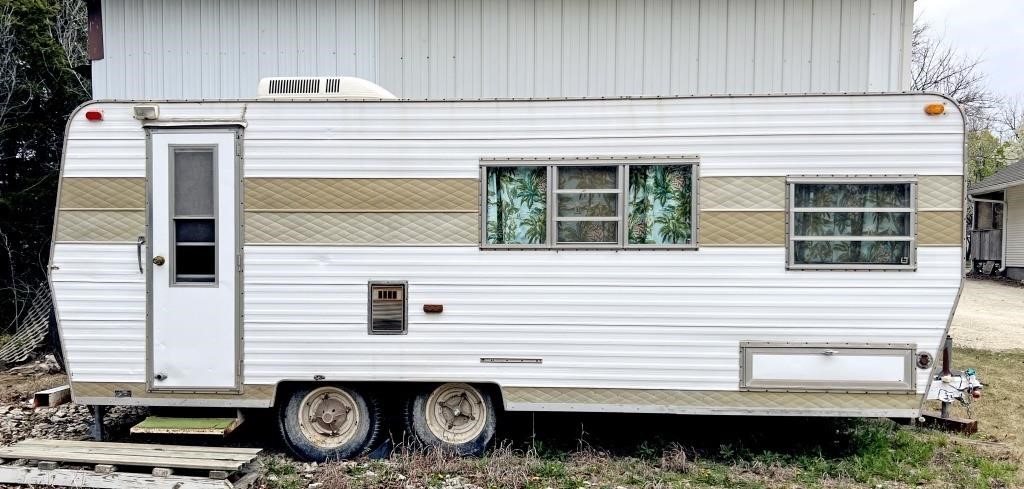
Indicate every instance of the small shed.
{"type": "Point", "coordinates": [997, 229]}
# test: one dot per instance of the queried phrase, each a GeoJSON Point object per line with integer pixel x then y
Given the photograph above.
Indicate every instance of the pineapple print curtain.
{"type": "Point", "coordinates": [660, 203]}
{"type": "Point", "coordinates": [517, 205]}
{"type": "Point", "coordinates": [588, 205]}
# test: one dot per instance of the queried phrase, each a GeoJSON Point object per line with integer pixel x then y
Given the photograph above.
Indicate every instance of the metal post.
{"type": "Point", "coordinates": [947, 360]}
{"type": "Point", "coordinates": [97, 421]}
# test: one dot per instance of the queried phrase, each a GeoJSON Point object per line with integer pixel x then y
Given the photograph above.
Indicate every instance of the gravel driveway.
{"type": "Point", "coordinates": [990, 316]}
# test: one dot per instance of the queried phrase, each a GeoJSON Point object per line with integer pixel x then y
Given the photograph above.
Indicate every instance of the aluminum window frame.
{"type": "Point", "coordinates": [623, 163]}
{"type": "Point", "coordinates": [174, 217]}
{"type": "Point", "coordinates": [791, 210]}
{"type": "Point", "coordinates": [554, 219]}
{"type": "Point", "coordinates": [694, 206]}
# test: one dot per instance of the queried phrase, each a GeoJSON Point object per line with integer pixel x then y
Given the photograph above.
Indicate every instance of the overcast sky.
{"type": "Point", "coordinates": [992, 29]}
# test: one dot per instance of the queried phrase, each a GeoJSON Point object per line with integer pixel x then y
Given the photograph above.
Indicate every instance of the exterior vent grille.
{"type": "Point", "coordinates": [388, 308]}
{"type": "Point", "coordinates": [333, 85]}
{"type": "Point", "coordinates": [322, 87]}
{"type": "Point", "coordinates": [295, 85]}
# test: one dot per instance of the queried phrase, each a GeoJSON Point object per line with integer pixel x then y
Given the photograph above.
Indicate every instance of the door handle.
{"type": "Point", "coordinates": [159, 260]}
{"type": "Point", "coordinates": [138, 249]}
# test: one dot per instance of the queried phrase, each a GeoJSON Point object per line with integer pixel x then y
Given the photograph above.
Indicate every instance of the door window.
{"type": "Point", "coordinates": [194, 217]}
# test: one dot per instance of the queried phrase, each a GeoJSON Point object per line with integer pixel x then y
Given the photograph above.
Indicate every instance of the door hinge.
{"type": "Point", "coordinates": [238, 263]}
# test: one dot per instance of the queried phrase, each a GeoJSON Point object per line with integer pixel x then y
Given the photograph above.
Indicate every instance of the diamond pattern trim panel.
{"type": "Point", "coordinates": [106, 226]}
{"type": "Point", "coordinates": [710, 399]}
{"type": "Point", "coordinates": [103, 193]}
{"type": "Point", "coordinates": [362, 194]}
{"type": "Point", "coordinates": [385, 228]}
{"type": "Point", "coordinates": [108, 389]}
{"type": "Point", "coordinates": [742, 228]}
{"type": "Point", "coordinates": [750, 193]}
{"type": "Point", "coordinates": [940, 228]}
{"type": "Point", "coordinates": [940, 192]}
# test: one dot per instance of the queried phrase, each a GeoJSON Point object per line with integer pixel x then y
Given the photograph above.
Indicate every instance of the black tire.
{"type": "Point", "coordinates": [303, 440]}
{"type": "Point", "coordinates": [477, 402]}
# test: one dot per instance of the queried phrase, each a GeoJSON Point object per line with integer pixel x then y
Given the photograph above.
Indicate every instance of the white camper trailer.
{"type": "Point", "coordinates": [735, 255]}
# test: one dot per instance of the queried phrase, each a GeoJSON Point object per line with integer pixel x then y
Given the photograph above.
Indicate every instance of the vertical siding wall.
{"type": "Point", "coordinates": [212, 49]}
{"type": "Point", "coordinates": [1015, 226]}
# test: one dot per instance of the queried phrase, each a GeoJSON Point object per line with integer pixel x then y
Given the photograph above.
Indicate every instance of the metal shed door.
{"type": "Point", "coordinates": [193, 261]}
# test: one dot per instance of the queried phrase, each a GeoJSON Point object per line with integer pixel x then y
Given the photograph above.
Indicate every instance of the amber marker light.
{"type": "Point", "coordinates": [934, 109]}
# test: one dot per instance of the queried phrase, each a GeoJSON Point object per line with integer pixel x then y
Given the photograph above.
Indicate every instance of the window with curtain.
{"type": "Point", "coordinates": [851, 224]}
{"type": "Point", "coordinates": [660, 204]}
{"type": "Point", "coordinates": [594, 205]}
{"type": "Point", "coordinates": [516, 212]}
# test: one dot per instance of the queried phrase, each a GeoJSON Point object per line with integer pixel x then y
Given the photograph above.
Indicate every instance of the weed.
{"type": "Point", "coordinates": [281, 473]}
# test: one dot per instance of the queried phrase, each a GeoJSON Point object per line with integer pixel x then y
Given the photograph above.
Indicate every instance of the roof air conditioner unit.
{"type": "Point", "coordinates": [322, 87]}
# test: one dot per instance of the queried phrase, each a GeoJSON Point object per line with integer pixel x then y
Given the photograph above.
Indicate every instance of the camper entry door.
{"type": "Point", "coordinates": [194, 261]}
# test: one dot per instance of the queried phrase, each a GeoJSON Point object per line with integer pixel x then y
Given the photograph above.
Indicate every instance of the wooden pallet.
{"type": "Point", "coordinates": [222, 465]}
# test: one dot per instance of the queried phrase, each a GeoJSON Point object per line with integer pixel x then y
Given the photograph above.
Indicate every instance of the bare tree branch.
{"type": "Point", "coordinates": [70, 30]}
{"type": "Point", "coordinates": [1010, 118]}
{"type": "Point", "coordinates": [8, 61]}
{"type": "Point", "coordinates": [938, 67]}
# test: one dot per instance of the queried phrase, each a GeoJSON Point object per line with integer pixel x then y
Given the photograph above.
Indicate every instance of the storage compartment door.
{"type": "Point", "coordinates": [827, 367]}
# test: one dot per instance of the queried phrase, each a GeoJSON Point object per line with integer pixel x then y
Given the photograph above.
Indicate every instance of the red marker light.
{"type": "Point", "coordinates": [94, 115]}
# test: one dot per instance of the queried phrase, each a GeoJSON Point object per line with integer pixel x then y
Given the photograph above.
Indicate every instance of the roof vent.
{"type": "Point", "coordinates": [333, 88]}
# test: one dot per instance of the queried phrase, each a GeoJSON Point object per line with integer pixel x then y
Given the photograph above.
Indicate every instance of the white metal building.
{"type": "Point", "coordinates": [219, 49]}
{"type": "Point", "coordinates": [997, 233]}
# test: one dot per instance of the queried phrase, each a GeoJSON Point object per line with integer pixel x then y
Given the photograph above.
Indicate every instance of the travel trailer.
{"type": "Point", "coordinates": [790, 255]}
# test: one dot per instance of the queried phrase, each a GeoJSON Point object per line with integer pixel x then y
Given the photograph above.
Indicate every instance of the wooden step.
{"type": "Point", "coordinates": [160, 425]}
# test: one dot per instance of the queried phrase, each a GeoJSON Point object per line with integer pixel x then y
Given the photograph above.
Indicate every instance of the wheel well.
{"type": "Point", "coordinates": [384, 390]}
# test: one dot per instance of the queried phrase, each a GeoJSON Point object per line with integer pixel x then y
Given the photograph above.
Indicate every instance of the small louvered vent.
{"type": "Point", "coordinates": [295, 85]}
{"type": "Point", "coordinates": [388, 307]}
{"type": "Point", "coordinates": [333, 85]}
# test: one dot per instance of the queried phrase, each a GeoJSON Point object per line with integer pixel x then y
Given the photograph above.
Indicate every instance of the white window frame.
{"type": "Point", "coordinates": [622, 164]}
{"type": "Point", "coordinates": [791, 211]}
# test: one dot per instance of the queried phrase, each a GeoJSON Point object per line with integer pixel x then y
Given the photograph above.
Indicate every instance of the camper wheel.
{"type": "Point", "coordinates": [329, 422]}
{"type": "Point", "coordinates": [456, 416]}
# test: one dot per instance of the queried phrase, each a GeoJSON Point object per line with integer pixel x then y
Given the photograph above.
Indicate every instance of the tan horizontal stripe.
{"type": "Point", "coordinates": [362, 229]}
{"type": "Point", "coordinates": [738, 193]}
{"type": "Point", "coordinates": [682, 398]}
{"type": "Point", "coordinates": [139, 389]}
{"type": "Point", "coordinates": [103, 193]}
{"type": "Point", "coordinates": [940, 192]}
{"type": "Point", "coordinates": [369, 211]}
{"type": "Point", "coordinates": [940, 228]}
{"type": "Point", "coordinates": [749, 228]}
{"type": "Point", "coordinates": [367, 194]}
{"type": "Point", "coordinates": [100, 225]}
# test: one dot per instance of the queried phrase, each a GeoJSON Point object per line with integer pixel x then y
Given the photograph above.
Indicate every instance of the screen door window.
{"type": "Point", "coordinates": [194, 221]}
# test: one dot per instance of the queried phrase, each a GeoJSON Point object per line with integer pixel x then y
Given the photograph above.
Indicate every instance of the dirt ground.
{"type": "Point", "coordinates": [990, 316]}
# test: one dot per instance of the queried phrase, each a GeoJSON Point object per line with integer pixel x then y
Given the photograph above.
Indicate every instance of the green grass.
{"type": "Point", "coordinates": [847, 453]}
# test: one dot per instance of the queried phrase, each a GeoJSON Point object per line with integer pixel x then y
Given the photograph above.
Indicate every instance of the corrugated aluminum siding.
{"type": "Point", "coordinates": [219, 49]}
{"type": "Point", "coordinates": [638, 319]}
{"type": "Point", "coordinates": [1015, 226]}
